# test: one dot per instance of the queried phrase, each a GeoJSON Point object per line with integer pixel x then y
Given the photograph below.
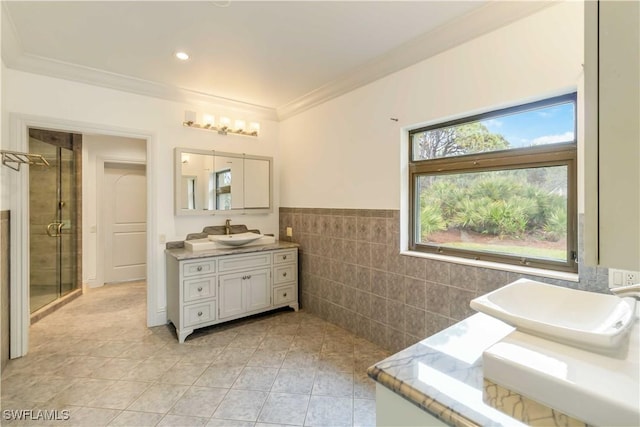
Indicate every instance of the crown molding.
{"type": "Point", "coordinates": [14, 57]}
{"type": "Point", "coordinates": [52, 68]}
{"type": "Point", "coordinates": [491, 16]}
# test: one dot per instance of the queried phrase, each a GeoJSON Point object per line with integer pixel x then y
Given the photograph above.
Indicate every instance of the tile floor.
{"type": "Point", "coordinates": [96, 359]}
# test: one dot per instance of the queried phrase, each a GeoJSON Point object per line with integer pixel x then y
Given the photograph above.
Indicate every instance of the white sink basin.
{"type": "Point", "coordinates": [596, 322]}
{"type": "Point", "coordinates": [594, 388]}
{"type": "Point", "coordinates": [235, 239]}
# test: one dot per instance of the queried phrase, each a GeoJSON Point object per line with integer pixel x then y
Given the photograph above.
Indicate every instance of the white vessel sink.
{"type": "Point", "coordinates": [239, 239]}
{"type": "Point", "coordinates": [596, 322]}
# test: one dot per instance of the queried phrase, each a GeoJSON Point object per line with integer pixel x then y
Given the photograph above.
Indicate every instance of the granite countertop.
{"type": "Point", "coordinates": [443, 375]}
{"type": "Point", "coordinates": [184, 254]}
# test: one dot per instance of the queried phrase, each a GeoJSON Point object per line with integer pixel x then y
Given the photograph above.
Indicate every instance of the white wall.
{"type": "Point", "coordinates": [125, 114]}
{"type": "Point", "coordinates": [96, 149]}
{"type": "Point", "coordinates": [346, 152]}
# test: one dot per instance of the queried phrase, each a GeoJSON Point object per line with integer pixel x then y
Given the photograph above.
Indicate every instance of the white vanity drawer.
{"type": "Point", "coordinates": [284, 294]}
{"type": "Point", "coordinates": [198, 267]}
{"type": "Point", "coordinates": [245, 262]}
{"type": "Point", "coordinates": [284, 274]}
{"type": "Point", "coordinates": [195, 289]}
{"type": "Point", "coordinates": [199, 313]}
{"type": "Point", "coordinates": [283, 257]}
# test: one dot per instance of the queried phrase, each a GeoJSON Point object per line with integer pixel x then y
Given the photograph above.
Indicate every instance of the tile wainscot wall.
{"type": "Point", "coordinates": [351, 274]}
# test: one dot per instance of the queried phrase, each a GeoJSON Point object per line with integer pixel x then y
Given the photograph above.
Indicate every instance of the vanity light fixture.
{"type": "Point", "coordinates": [223, 125]}
{"type": "Point", "coordinates": [182, 56]}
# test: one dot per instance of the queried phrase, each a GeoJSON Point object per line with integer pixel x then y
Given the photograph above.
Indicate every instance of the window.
{"type": "Point", "coordinates": [499, 186]}
{"type": "Point", "coordinates": [223, 190]}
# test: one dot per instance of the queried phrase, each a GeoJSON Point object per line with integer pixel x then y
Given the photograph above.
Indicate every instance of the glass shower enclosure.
{"type": "Point", "coordinates": [54, 213]}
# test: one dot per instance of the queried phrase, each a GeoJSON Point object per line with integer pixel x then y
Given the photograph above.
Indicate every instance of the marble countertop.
{"type": "Point", "coordinates": [443, 375]}
{"type": "Point", "coordinates": [184, 254]}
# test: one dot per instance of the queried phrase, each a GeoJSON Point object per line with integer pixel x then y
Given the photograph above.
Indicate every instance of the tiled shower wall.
{"type": "Point", "coordinates": [353, 275]}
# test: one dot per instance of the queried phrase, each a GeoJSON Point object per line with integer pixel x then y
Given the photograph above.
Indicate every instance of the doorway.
{"type": "Point", "coordinates": [54, 220]}
{"type": "Point", "coordinates": [19, 201]}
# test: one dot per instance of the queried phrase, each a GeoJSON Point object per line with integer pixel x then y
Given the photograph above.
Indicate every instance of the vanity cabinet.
{"type": "Point", "coordinates": [210, 290]}
{"type": "Point", "coordinates": [285, 277]}
{"type": "Point", "coordinates": [244, 292]}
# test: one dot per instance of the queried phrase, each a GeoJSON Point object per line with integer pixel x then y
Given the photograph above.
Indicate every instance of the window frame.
{"type": "Point", "coordinates": [556, 154]}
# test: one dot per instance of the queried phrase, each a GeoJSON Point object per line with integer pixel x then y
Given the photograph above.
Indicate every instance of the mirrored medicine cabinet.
{"type": "Point", "coordinates": [210, 182]}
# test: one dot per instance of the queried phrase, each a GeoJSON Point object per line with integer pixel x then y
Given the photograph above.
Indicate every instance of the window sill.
{"type": "Point", "coordinates": [549, 274]}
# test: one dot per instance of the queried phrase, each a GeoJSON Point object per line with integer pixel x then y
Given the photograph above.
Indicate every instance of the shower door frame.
{"type": "Point", "coordinates": [19, 234]}
{"type": "Point", "coordinates": [74, 146]}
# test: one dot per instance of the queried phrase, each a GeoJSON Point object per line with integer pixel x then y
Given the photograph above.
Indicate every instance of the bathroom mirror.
{"type": "Point", "coordinates": [207, 182]}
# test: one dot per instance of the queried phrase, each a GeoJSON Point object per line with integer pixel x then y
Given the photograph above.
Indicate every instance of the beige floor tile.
{"type": "Point", "coordinates": [82, 391]}
{"type": "Point", "coordinates": [81, 366]}
{"type": "Point", "coordinates": [200, 354]}
{"type": "Point", "coordinates": [234, 356]}
{"type": "Point", "coordinates": [281, 408]}
{"type": "Point", "coordinates": [110, 368]}
{"type": "Point", "coordinates": [246, 341]}
{"type": "Point", "coordinates": [182, 421]}
{"type": "Point", "coordinates": [241, 405]}
{"type": "Point", "coordinates": [363, 386]}
{"type": "Point", "coordinates": [149, 370]}
{"type": "Point", "coordinates": [277, 342]}
{"type": "Point", "coordinates": [333, 383]}
{"type": "Point", "coordinates": [115, 368]}
{"type": "Point", "coordinates": [119, 395]}
{"type": "Point", "coordinates": [92, 417]}
{"type": "Point", "coordinates": [219, 376]}
{"type": "Point", "coordinates": [364, 413]}
{"type": "Point", "coordinates": [158, 398]}
{"type": "Point", "coordinates": [329, 411]}
{"type": "Point", "coordinates": [138, 419]}
{"type": "Point", "coordinates": [336, 362]}
{"type": "Point", "coordinates": [183, 373]}
{"type": "Point", "coordinates": [215, 422]}
{"type": "Point", "coordinates": [267, 358]}
{"type": "Point", "coordinates": [15, 386]}
{"type": "Point", "coordinates": [301, 360]}
{"type": "Point", "coordinates": [199, 401]}
{"type": "Point", "coordinates": [110, 348]}
{"type": "Point", "coordinates": [298, 381]}
{"type": "Point", "coordinates": [255, 378]}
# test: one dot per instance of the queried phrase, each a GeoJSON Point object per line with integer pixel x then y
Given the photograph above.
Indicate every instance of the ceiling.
{"type": "Point", "coordinates": [275, 57]}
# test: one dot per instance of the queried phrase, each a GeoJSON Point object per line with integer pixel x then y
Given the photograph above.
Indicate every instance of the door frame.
{"type": "Point", "coordinates": [19, 205]}
{"type": "Point", "coordinates": [100, 220]}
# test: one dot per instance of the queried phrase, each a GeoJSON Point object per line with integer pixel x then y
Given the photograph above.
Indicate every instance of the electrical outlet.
{"type": "Point", "coordinates": [623, 277]}
{"type": "Point", "coordinates": [631, 278]}
{"type": "Point", "coordinates": [289, 232]}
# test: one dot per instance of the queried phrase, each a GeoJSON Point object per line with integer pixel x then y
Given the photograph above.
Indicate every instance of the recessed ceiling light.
{"type": "Point", "coordinates": [183, 56]}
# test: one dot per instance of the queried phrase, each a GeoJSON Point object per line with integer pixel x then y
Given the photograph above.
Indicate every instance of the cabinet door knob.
{"type": "Point", "coordinates": [199, 268]}
{"type": "Point", "coordinates": [199, 288]}
{"type": "Point", "coordinates": [249, 277]}
{"type": "Point", "coordinates": [284, 295]}
{"type": "Point", "coordinates": [199, 313]}
{"type": "Point", "coordinates": [284, 257]}
{"type": "Point", "coordinates": [284, 274]}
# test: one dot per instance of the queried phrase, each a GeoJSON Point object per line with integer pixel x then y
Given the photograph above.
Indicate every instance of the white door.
{"type": "Point", "coordinates": [125, 216]}
{"type": "Point", "coordinates": [257, 290]}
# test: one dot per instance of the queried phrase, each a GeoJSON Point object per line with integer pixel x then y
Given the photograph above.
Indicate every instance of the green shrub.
{"type": "Point", "coordinates": [430, 220]}
{"type": "Point", "coordinates": [556, 225]}
{"type": "Point", "coordinates": [504, 204]}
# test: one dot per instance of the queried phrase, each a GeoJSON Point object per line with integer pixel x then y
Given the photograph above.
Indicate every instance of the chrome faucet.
{"type": "Point", "coordinates": [227, 227]}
